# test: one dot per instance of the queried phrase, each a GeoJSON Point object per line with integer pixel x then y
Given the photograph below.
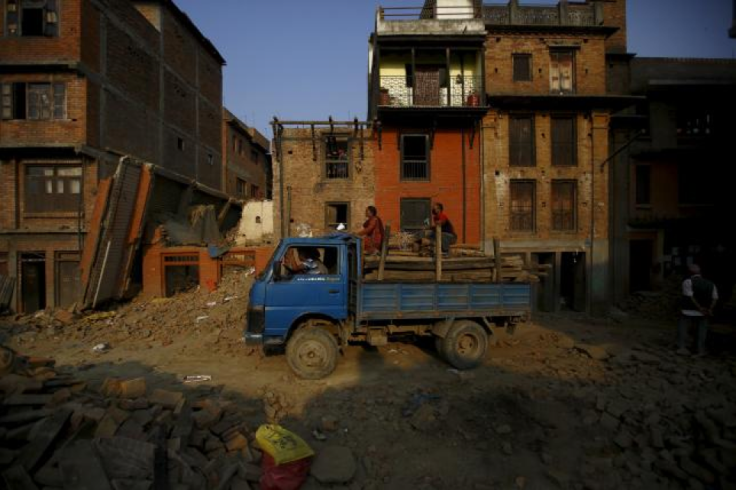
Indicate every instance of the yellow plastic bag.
{"type": "Point", "coordinates": [282, 445]}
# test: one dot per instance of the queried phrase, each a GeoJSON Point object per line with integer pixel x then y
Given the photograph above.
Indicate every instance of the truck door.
{"type": "Point", "coordinates": [321, 290]}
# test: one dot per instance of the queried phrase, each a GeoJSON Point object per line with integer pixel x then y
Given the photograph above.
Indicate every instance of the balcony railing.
{"type": "Point", "coordinates": [450, 12]}
{"type": "Point", "coordinates": [401, 91]}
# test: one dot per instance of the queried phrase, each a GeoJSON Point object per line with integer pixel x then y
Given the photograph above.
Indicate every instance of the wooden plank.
{"type": "Point", "coordinates": [497, 258]}
{"type": "Point", "coordinates": [384, 252]}
{"type": "Point", "coordinates": [438, 253]}
{"type": "Point", "coordinates": [48, 431]}
{"type": "Point", "coordinates": [23, 399]}
{"type": "Point", "coordinates": [16, 478]}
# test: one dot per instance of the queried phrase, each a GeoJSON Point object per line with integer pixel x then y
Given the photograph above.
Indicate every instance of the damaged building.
{"type": "Point", "coordinates": [246, 168]}
{"type": "Point", "coordinates": [91, 90]}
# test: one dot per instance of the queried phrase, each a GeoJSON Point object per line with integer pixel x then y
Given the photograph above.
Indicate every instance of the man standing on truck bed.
{"type": "Point", "coordinates": [448, 231]}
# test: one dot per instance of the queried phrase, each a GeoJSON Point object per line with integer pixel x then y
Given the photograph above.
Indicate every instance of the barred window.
{"type": "Point", "coordinates": [414, 157]}
{"type": "Point", "coordinates": [522, 67]}
{"type": "Point", "coordinates": [521, 141]}
{"type": "Point", "coordinates": [563, 205]}
{"type": "Point", "coordinates": [522, 208]}
{"type": "Point", "coordinates": [564, 147]}
{"type": "Point", "coordinates": [337, 157]}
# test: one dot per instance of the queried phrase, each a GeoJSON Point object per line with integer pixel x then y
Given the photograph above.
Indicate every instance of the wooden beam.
{"type": "Point", "coordinates": [438, 252]}
{"type": "Point", "coordinates": [497, 258]}
{"type": "Point", "coordinates": [384, 251]}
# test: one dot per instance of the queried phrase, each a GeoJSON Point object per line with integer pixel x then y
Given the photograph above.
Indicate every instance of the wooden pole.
{"type": "Point", "coordinates": [438, 252]}
{"type": "Point", "coordinates": [497, 258]}
{"type": "Point", "coordinates": [384, 251]}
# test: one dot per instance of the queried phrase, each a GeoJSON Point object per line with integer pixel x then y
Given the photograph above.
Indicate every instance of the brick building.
{"type": "Point", "coordinates": [671, 187]}
{"type": "Point", "coordinates": [546, 141]}
{"type": "Point", "coordinates": [84, 82]}
{"type": "Point", "coordinates": [426, 90]}
{"type": "Point", "coordinates": [323, 175]}
{"type": "Point", "coordinates": [246, 164]}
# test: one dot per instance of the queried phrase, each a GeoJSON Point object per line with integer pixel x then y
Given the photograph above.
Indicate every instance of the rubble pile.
{"type": "Point", "coordinates": [219, 314]}
{"type": "Point", "coordinates": [55, 432]}
{"type": "Point", "coordinates": [656, 305]}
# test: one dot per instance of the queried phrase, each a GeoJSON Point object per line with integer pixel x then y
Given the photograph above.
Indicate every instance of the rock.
{"type": "Point", "coordinates": [623, 440]}
{"type": "Point", "coordinates": [64, 316]}
{"type": "Point", "coordinates": [520, 482]}
{"type": "Point", "coordinates": [329, 423]}
{"type": "Point", "coordinates": [618, 315]}
{"type": "Point", "coordinates": [609, 422]}
{"type": "Point", "coordinates": [334, 464]}
{"type": "Point", "coordinates": [593, 351]}
{"type": "Point", "coordinates": [503, 429]}
{"type": "Point", "coordinates": [110, 387]}
{"type": "Point", "coordinates": [697, 471]}
{"type": "Point", "coordinates": [617, 407]}
{"type": "Point", "coordinates": [424, 419]}
{"type": "Point", "coordinates": [237, 442]}
{"type": "Point", "coordinates": [133, 388]}
{"type": "Point", "coordinates": [167, 399]}
{"type": "Point", "coordinates": [566, 343]}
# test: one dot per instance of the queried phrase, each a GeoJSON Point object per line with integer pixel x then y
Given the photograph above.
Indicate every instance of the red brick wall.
{"type": "Point", "coordinates": [445, 186]}
{"type": "Point", "coordinates": [614, 14]}
{"type": "Point", "coordinates": [590, 66]}
{"type": "Point", "coordinates": [240, 165]}
{"type": "Point", "coordinates": [54, 131]}
{"type": "Point", "coordinates": [64, 48]}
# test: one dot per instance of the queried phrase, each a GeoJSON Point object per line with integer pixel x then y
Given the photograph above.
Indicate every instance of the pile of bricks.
{"type": "Point", "coordinates": [55, 432]}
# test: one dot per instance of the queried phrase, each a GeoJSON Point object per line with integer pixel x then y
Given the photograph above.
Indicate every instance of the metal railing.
{"type": "Point", "coordinates": [456, 12]}
{"type": "Point", "coordinates": [403, 91]}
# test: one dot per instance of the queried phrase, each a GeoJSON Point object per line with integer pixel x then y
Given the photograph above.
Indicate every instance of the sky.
{"type": "Point", "coordinates": [301, 59]}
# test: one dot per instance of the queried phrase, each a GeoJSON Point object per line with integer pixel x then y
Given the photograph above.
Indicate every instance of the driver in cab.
{"type": "Point", "coordinates": [304, 260]}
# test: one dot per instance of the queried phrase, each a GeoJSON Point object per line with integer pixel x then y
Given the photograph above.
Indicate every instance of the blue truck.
{"type": "Point", "coordinates": [315, 314]}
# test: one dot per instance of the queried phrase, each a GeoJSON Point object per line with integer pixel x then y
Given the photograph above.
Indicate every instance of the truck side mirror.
{"type": "Point", "coordinates": [276, 270]}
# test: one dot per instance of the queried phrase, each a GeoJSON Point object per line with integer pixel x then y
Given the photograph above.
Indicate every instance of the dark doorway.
{"type": "Point", "coordinates": [33, 282]}
{"type": "Point", "coordinates": [546, 286]}
{"type": "Point", "coordinates": [572, 281]}
{"type": "Point", "coordinates": [640, 265]}
{"type": "Point", "coordinates": [427, 85]}
{"type": "Point", "coordinates": [68, 279]}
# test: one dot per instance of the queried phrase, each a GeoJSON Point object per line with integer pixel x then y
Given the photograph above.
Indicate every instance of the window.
{"type": "Point", "coordinates": [33, 101]}
{"type": "Point", "coordinates": [254, 192]}
{"type": "Point", "coordinates": [564, 148]}
{"type": "Point", "coordinates": [241, 188]}
{"type": "Point", "coordinates": [210, 159]}
{"type": "Point", "coordinates": [52, 188]}
{"type": "Point", "coordinates": [3, 264]}
{"type": "Point", "coordinates": [522, 209]}
{"type": "Point", "coordinates": [180, 144]}
{"type": "Point", "coordinates": [415, 214]}
{"type": "Point", "coordinates": [694, 123]}
{"type": "Point", "coordinates": [336, 157]}
{"type": "Point", "coordinates": [324, 260]}
{"type": "Point", "coordinates": [414, 157]}
{"type": "Point", "coordinates": [563, 205]}
{"type": "Point", "coordinates": [31, 18]}
{"type": "Point", "coordinates": [522, 67]}
{"type": "Point", "coordinates": [336, 213]}
{"type": "Point", "coordinates": [643, 185]}
{"type": "Point", "coordinates": [254, 156]}
{"type": "Point", "coordinates": [521, 141]}
{"type": "Point", "coordinates": [561, 72]}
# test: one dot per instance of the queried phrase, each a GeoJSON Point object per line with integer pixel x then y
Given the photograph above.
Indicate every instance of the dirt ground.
{"type": "Point", "coordinates": [567, 402]}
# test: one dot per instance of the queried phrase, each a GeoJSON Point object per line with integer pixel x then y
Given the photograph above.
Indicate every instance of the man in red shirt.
{"type": "Point", "coordinates": [372, 231]}
{"type": "Point", "coordinates": [449, 237]}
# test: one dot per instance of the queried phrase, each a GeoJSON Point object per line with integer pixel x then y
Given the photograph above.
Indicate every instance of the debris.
{"type": "Point", "coordinates": [318, 435]}
{"type": "Point", "coordinates": [196, 378]}
{"type": "Point", "coordinates": [101, 347]}
{"type": "Point", "coordinates": [211, 303]}
{"type": "Point", "coordinates": [334, 464]}
{"type": "Point", "coordinates": [202, 317]}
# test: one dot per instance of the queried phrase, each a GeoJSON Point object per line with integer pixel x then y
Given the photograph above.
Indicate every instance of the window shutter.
{"type": "Point", "coordinates": [6, 91]}
{"type": "Point", "coordinates": [11, 17]}
{"type": "Point", "coordinates": [59, 101]}
{"type": "Point", "coordinates": [51, 24]}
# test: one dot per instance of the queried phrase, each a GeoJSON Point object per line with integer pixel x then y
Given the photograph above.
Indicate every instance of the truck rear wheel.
{"type": "Point", "coordinates": [312, 353]}
{"type": "Point", "coordinates": [465, 345]}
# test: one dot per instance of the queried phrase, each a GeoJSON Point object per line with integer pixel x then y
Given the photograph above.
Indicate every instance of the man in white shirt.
{"type": "Point", "coordinates": [699, 297]}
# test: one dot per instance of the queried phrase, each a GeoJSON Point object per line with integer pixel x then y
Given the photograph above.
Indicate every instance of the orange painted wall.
{"type": "Point", "coordinates": [445, 184]}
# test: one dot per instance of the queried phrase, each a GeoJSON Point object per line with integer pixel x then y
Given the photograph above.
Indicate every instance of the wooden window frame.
{"type": "Point", "coordinates": [522, 56]}
{"type": "Point", "coordinates": [427, 162]}
{"type": "Point", "coordinates": [50, 19]}
{"type": "Point", "coordinates": [238, 182]}
{"type": "Point", "coordinates": [554, 54]}
{"type": "Point", "coordinates": [326, 162]}
{"type": "Point", "coordinates": [558, 224]}
{"type": "Point", "coordinates": [54, 180]}
{"type": "Point", "coordinates": [556, 145]}
{"type": "Point", "coordinates": [17, 101]}
{"type": "Point", "coordinates": [532, 143]}
{"type": "Point", "coordinates": [402, 200]}
{"type": "Point", "coordinates": [512, 227]}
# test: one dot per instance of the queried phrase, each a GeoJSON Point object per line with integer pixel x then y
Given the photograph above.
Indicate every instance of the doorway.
{"type": "Point", "coordinates": [427, 86]}
{"type": "Point", "coordinates": [545, 300]}
{"type": "Point", "coordinates": [640, 265]}
{"type": "Point", "coordinates": [572, 281]}
{"type": "Point", "coordinates": [68, 280]}
{"type": "Point", "coordinates": [33, 282]}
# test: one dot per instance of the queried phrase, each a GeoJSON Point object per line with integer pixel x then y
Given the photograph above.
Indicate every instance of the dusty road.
{"type": "Point", "coordinates": [568, 402]}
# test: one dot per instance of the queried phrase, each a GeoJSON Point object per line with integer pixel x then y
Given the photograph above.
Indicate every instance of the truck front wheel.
{"type": "Point", "coordinates": [465, 345]}
{"type": "Point", "coordinates": [312, 353]}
